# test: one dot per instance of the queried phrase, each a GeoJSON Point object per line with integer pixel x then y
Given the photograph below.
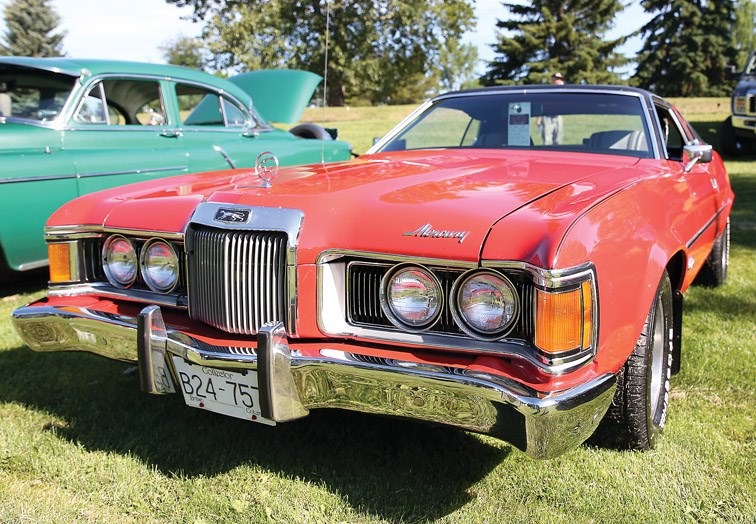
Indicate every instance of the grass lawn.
{"type": "Point", "coordinates": [80, 443]}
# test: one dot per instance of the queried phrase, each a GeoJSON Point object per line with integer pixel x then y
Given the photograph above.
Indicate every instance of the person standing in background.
{"type": "Point", "coordinates": [552, 128]}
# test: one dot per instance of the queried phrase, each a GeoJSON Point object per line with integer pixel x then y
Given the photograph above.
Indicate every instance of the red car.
{"type": "Point", "coordinates": [463, 272]}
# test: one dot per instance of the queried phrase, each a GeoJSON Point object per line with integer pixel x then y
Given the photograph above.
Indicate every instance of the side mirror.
{"type": "Point", "coordinates": [694, 153]}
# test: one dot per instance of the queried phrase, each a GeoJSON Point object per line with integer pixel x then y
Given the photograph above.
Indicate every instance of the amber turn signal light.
{"type": "Point", "coordinates": [60, 262]}
{"type": "Point", "coordinates": [564, 319]}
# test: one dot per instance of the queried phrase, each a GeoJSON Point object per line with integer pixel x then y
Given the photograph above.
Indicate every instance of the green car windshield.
{"type": "Point", "coordinates": [32, 94]}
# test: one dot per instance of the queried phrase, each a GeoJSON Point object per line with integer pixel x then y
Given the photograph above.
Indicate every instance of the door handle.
{"type": "Point", "coordinates": [170, 134]}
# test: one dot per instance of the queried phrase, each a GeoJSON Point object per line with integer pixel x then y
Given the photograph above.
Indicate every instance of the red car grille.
{"type": "Point", "coordinates": [237, 280]}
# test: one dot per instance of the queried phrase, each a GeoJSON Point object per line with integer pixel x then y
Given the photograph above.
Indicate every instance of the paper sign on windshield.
{"type": "Point", "coordinates": [519, 124]}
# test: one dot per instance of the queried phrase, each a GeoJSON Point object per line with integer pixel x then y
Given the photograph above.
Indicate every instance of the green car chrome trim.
{"type": "Point", "coordinates": [19, 180]}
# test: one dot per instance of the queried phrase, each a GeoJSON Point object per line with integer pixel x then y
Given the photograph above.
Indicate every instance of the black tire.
{"type": "Point", "coordinates": [714, 271]}
{"type": "Point", "coordinates": [639, 408]}
{"type": "Point", "coordinates": [729, 143]}
{"type": "Point", "coordinates": [312, 131]}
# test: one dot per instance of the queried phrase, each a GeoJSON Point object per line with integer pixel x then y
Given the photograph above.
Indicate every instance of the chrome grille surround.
{"type": "Point", "coordinates": [243, 275]}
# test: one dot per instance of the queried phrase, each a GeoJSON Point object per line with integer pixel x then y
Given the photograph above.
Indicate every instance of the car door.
{"type": "Point", "coordinates": [37, 174]}
{"type": "Point", "coordinates": [215, 129]}
{"type": "Point", "coordinates": [122, 133]}
{"type": "Point", "coordinates": [219, 133]}
{"type": "Point", "coordinates": [698, 226]}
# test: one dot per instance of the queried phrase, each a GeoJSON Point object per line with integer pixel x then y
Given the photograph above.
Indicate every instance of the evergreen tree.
{"type": "Point", "coordinates": [30, 29]}
{"type": "Point", "coordinates": [687, 48]}
{"type": "Point", "coordinates": [546, 36]}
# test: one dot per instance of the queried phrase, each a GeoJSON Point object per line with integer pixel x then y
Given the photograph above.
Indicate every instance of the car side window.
{"type": "Point", "coordinates": [234, 115]}
{"type": "Point", "coordinates": [202, 107]}
{"type": "Point", "coordinates": [92, 107]}
{"type": "Point", "coordinates": [673, 137]}
{"type": "Point", "coordinates": [124, 102]}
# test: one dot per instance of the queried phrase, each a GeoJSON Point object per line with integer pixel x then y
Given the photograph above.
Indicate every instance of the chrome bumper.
{"type": "Point", "coordinates": [744, 124]}
{"type": "Point", "coordinates": [291, 384]}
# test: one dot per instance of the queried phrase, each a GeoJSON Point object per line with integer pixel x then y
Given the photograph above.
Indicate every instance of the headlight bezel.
{"type": "Point", "coordinates": [144, 269]}
{"type": "Point", "coordinates": [389, 309]}
{"type": "Point", "coordinates": [106, 265]}
{"type": "Point", "coordinates": [457, 310]}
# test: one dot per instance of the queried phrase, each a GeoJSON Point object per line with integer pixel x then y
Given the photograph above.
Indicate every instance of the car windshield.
{"type": "Point", "coordinates": [569, 121]}
{"type": "Point", "coordinates": [32, 94]}
{"type": "Point", "coordinates": [750, 68]}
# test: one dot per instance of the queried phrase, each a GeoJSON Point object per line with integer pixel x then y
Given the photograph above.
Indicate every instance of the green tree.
{"type": "Point", "coordinates": [546, 36]}
{"type": "Point", "coordinates": [184, 51]}
{"type": "Point", "coordinates": [456, 64]}
{"type": "Point", "coordinates": [381, 50]}
{"type": "Point", "coordinates": [687, 47]}
{"type": "Point", "coordinates": [744, 38]}
{"type": "Point", "coordinates": [31, 29]}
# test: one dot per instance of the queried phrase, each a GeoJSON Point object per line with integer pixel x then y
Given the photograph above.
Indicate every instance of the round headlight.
{"type": "Point", "coordinates": [160, 266]}
{"type": "Point", "coordinates": [119, 260]}
{"type": "Point", "coordinates": [485, 304]}
{"type": "Point", "coordinates": [411, 298]}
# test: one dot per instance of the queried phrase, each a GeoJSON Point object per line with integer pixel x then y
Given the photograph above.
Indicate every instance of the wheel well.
{"type": "Point", "coordinates": [676, 269]}
{"type": "Point", "coordinates": [4, 267]}
{"type": "Point", "coordinates": [676, 272]}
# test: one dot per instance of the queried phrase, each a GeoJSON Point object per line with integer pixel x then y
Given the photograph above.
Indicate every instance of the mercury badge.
{"type": "Point", "coordinates": [266, 167]}
{"type": "Point", "coordinates": [428, 231]}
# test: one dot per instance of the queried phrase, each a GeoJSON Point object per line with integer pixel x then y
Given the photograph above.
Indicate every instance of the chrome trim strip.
{"type": "Point", "coordinates": [106, 290]}
{"type": "Point", "coordinates": [331, 255]}
{"type": "Point", "coordinates": [34, 265]}
{"type": "Point", "coordinates": [18, 180]}
{"type": "Point", "coordinates": [92, 231]}
{"type": "Point", "coordinates": [695, 238]}
{"type": "Point", "coordinates": [225, 155]}
{"type": "Point", "coordinates": [399, 127]}
{"type": "Point", "coordinates": [547, 278]}
{"type": "Point", "coordinates": [543, 425]}
{"type": "Point", "coordinates": [133, 171]}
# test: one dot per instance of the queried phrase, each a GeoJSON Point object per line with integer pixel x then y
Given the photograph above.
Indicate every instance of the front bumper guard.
{"type": "Point", "coordinates": [290, 384]}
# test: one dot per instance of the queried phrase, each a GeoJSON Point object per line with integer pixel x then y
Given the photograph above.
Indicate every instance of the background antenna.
{"type": "Point", "coordinates": [325, 75]}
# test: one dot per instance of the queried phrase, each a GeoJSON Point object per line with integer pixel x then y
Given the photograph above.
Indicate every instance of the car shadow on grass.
{"type": "Point", "coordinates": [394, 469]}
{"type": "Point", "coordinates": [15, 282]}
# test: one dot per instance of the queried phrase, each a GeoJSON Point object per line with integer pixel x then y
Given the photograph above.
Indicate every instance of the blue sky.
{"type": "Point", "coordinates": [135, 29]}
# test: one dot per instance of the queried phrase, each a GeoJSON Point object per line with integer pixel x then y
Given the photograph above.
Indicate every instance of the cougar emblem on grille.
{"type": "Point", "coordinates": [237, 216]}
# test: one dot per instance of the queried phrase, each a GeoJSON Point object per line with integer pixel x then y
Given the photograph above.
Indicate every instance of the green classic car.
{"type": "Point", "coordinates": [70, 127]}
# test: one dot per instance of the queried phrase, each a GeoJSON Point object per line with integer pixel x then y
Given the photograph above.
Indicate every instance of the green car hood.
{"type": "Point", "coordinates": [279, 95]}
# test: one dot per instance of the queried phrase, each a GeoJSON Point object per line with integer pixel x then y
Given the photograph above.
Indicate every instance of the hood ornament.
{"type": "Point", "coordinates": [266, 167]}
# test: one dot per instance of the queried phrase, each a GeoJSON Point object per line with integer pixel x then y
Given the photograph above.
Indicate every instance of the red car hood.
{"type": "Point", "coordinates": [438, 204]}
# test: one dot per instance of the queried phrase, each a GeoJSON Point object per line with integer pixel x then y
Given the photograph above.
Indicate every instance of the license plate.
{"type": "Point", "coordinates": [220, 391]}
